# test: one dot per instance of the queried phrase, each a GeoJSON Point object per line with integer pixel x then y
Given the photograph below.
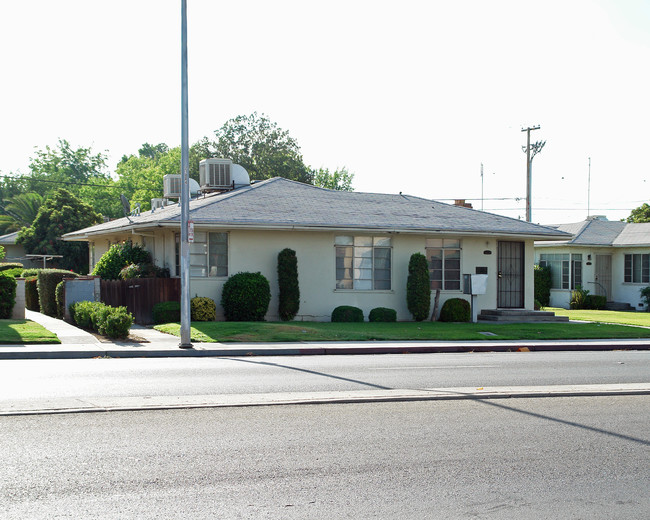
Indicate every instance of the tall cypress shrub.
{"type": "Point", "coordinates": [418, 293]}
{"type": "Point", "coordinates": [289, 295]}
{"type": "Point", "coordinates": [543, 285]}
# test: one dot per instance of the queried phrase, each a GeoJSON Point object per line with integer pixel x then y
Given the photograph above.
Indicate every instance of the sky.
{"type": "Point", "coordinates": [411, 96]}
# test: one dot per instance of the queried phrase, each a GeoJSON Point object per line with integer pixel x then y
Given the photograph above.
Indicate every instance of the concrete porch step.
{"type": "Point", "coordinates": [520, 316]}
{"type": "Point", "coordinates": [619, 306]}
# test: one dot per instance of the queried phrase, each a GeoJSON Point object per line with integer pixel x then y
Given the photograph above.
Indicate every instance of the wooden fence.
{"type": "Point", "coordinates": [139, 295]}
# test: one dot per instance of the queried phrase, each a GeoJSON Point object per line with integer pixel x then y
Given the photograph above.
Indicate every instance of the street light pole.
{"type": "Point", "coordinates": [185, 190]}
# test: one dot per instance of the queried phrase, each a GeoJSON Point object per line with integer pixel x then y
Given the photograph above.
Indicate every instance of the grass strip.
{"type": "Point", "coordinates": [639, 319]}
{"type": "Point", "coordinates": [226, 332]}
{"type": "Point", "coordinates": [25, 332]}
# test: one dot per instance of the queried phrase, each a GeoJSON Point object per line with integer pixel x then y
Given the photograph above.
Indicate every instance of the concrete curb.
{"type": "Point", "coordinates": [123, 404]}
{"type": "Point", "coordinates": [113, 350]}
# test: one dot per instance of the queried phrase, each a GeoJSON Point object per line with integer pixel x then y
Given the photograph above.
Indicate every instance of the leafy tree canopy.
{"type": "Point", "coordinates": [262, 147]}
{"type": "Point", "coordinates": [19, 211]}
{"type": "Point", "coordinates": [61, 213]}
{"type": "Point", "coordinates": [337, 180]}
{"type": "Point", "coordinates": [640, 214]}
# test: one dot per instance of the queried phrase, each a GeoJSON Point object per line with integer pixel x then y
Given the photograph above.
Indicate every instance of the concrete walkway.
{"type": "Point", "coordinates": [77, 343]}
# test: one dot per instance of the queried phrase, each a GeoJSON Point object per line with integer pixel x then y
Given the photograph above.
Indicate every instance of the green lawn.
{"type": "Point", "coordinates": [225, 332]}
{"type": "Point", "coordinates": [25, 331]}
{"type": "Point", "coordinates": [640, 319]}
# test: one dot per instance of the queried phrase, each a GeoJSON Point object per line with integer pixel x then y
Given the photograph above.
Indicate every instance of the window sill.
{"type": "Point", "coordinates": [369, 291]}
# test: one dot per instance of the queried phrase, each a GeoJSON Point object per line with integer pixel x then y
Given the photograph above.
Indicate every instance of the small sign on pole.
{"type": "Point", "coordinates": [190, 231]}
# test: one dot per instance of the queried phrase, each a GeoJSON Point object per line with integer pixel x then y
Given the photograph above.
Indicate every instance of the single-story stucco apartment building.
{"type": "Point", "coordinates": [353, 248]}
{"type": "Point", "coordinates": [607, 258]}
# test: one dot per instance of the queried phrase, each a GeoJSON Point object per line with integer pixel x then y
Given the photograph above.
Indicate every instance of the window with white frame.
{"type": "Point", "coordinates": [637, 268]}
{"type": "Point", "coordinates": [443, 255]}
{"type": "Point", "coordinates": [566, 269]}
{"type": "Point", "coordinates": [363, 263]}
{"type": "Point", "coordinates": [208, 254]}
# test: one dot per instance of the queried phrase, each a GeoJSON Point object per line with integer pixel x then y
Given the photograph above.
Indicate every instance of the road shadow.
{"type": "Point", "coordinates": [307, 371]}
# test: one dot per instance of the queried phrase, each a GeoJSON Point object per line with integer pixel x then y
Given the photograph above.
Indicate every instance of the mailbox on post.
{"type": "Point", "coordinates": [474, 284]}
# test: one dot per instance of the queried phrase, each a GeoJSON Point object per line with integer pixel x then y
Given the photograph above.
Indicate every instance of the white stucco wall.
{"type": "Point", "coordinates": [251, 250]}
{"type": "Point", "coordinates": [622, 292]}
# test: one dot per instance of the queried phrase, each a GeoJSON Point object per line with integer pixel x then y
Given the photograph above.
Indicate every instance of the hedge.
{"type": "Point", "coordinates": [203, 309]}
{"type": "Point", "coordinates": [7, 296]}
{"type": "Point", "coordinates": [246, 297]}
{"type": "Point", "coordinates": [347, 313]}
{"type": "Point", "coordinates": [113, 322]}
{"type": "Point", "coordinates": [48, 279]}
{"type": "Point", "coordinates": [166, 312]}
{"type": "Point", "coordinates": [542, 281]}
{"type": "Point", "coordinates": [10, 265]}
{"type": "Point", "coordinates": [456, 309]}
{"type": "Point", "coordinates": [31, 293]}
{"type": "Point", "coordinates": [382, 314]}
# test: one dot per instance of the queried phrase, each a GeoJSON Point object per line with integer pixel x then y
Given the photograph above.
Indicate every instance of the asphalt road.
{"type": "Point", "coordinates": [25, 380]}
{"type": "Point", "coordinates": [577, 458]}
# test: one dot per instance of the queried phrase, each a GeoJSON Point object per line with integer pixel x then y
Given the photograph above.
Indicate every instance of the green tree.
{"type": "Point", "coordinates": [262, 147]}
{"type": "Point", "coordinates": [19, 212]}
{"type": "Point", "coordinates": [640, 214]}
{"type": "Point", "coordinates": [340, 180]}
{"type": "Point", "coordinates": [60, 214]}
{"type": "Point", "coordinates": [81, 171]}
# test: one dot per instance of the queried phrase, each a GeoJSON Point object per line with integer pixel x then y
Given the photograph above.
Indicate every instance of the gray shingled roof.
{"type": "Point", "coordinates": [598, 232]}
{"type": "Point", "coordinates": [282, 203]}
{"type": "Point", "coordinates": [9, 239]}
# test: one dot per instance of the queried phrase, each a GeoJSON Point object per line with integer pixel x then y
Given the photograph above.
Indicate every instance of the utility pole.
{"type": "Point", "coordinates": [531, 152]}
{"type": "Point", "coordinates": [186, 340]}
{"type": "Point", "coordinates": [481, 186]}
{"type": "Point", "coordinates": [589, 191]}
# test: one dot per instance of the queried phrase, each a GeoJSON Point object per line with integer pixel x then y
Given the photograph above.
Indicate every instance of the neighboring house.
{"type": "Point", "coordinates": [15, 252]}
{"type": "Point", "coordinates": [353, 248]}
{"type": "Point", "coordinates": [611, 259]}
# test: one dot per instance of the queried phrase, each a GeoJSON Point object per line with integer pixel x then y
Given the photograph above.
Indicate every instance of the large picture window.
{"type": "Point", "coordinates": [637, 268]}
{"type": "Point", "coordinates": [363, 263]}
{"type": "Point", "coordinates": [208, 254]}
{"type": "Point", "coordinates": [443, 256]}
{"type": "Point", "coordinates": [566, 269]}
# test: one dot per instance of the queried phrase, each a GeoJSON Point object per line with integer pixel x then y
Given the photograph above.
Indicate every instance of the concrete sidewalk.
{"type": "Point", "coordinates": [77, 343]}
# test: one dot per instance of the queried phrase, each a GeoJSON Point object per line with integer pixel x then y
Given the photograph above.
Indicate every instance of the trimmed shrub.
{"type": "Point", "coordinates": [542, 280]}
{"type": "Point", "coordinates": [594, 301]}
{"type": "Point", "coordinates": [203, 309]}
{"type": "Point", "coordinates": [289, 294]}
{"type": "Point", "coordinates": [645, 294]}
{"type": "Point", "coordinates": [119, 256]}
{"type": "Point", "coordinates": [117, 322]}
{"type": "Point", "coordinates": [10, 265]}
{"type": "Point", "coordinates": [7, 296]}
{"type": "Point", "coordinates": [31, 293]}
{"type": "Point", "coordinates": [166, 312]}
{"type": "Point", "coordinates": [382, 314]}
{"type": "Point", "coordinates": [289, 290]}
{"type": "Point", "coordinates": [32, 271]}
{"type": "Point", "coordinates": [113, 322]}
{"type": "Point", "coordinates": [347, 313]}
{"type": "Point", "coordinates": [455, 309]}
{"type": "Point", "coordinates": [418, 291]}
{"type": "Point", "coordinates": [59, 295]}
{"type": "Point", "coordinates": [246, 297]}
{"type": "Point", "coordinates": [82, 312]}
{"type": "Point", "coordinates": [48, 279]}
{"type": "Point", "coordinates": [14, 272]}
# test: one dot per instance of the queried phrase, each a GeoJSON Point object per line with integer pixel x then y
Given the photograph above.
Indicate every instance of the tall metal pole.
{"type": "Point", "coordinates": [536, 148]}
{"type": "Point", "coordinates": [481, 186]}
{"type": "Point", "coordinates": [185, 190]}
{"type": "Point", "coordinates": [589, 191]}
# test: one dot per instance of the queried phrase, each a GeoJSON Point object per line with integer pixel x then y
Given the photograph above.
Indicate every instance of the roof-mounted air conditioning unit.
{"type": "Point", "coordinates": [172, 186]}
{"type": "Point", "coordinates": [157, 203]}
{"type": "Point", "coordinates": [221, 175]}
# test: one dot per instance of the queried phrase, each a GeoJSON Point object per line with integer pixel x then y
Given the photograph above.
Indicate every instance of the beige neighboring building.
{"type": "Point", "coordinates": [608, 258]}
{"type": "Point", "coordinates": [15, 252]}
{"type": "Point", "coordinates": [353, 248]}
